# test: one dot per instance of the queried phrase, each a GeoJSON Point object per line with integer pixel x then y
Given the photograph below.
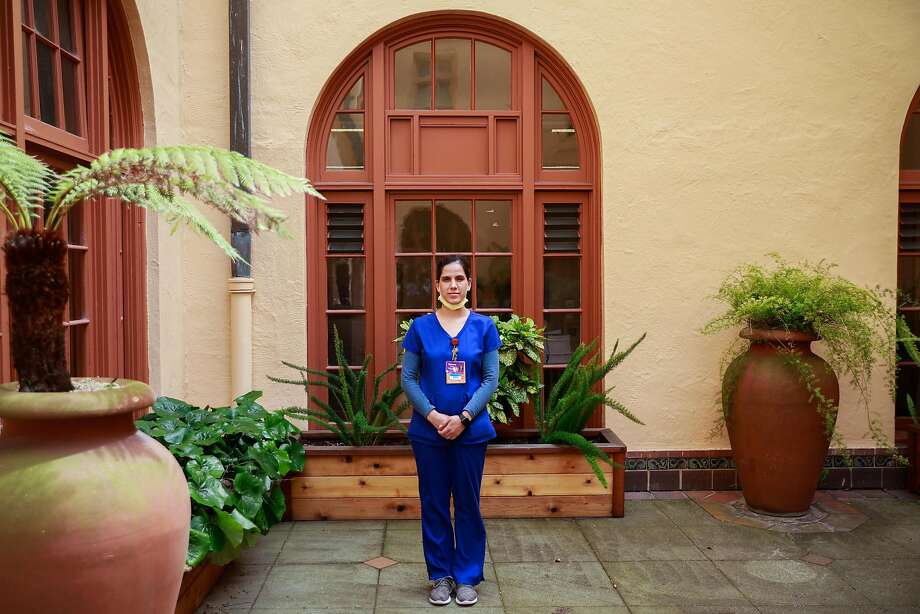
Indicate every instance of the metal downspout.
{"type": "Point", "coordinates": [241, 285]}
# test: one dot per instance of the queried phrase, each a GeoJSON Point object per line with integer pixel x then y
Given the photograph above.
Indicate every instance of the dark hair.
{"type": "Point", "coordinates": [443, 261]}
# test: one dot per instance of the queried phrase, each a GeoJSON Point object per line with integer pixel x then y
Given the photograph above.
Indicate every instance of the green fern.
{"type": "Point", "coordinates": [358, 423]}
{"type": "Point", "coordinates": [155, 178]}
{"type": "Point", "coordinates": [24, 181]}
{"type": "Point", "coordinates": [574, 397]}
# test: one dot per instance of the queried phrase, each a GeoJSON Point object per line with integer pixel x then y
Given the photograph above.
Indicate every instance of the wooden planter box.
{"type": "Point", "coordinates": [913, 455]}
{"type": "Point", "coordinates": [521, 480]}
{"type": "Point", "coordinates": [196, 584]}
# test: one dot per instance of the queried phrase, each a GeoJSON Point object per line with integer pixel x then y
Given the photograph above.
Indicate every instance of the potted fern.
{"type": "Point", "coordinates": [779, 398]}
{"type": "Point", "coordinates": [80, 488]}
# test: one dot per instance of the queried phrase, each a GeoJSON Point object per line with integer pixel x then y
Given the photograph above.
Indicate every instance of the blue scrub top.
{"type": "Point", "coordinates": [428, 339]}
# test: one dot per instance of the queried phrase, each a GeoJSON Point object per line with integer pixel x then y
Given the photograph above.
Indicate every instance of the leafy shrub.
{"type": "Point", "coordinates": [519, 360]}
{"type": "Point", "coordinates": [574, 398]}
{"type": "Point", "coordinates": [359, 422]}
{"type": "Point", "coordinates": [234, 459]}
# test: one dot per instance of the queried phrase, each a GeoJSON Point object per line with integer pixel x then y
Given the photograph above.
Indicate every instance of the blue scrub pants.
{"type": "Point", "coordinates": [443, 471]}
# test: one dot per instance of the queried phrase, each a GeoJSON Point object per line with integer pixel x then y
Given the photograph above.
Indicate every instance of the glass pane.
{"type": "Point", "coordinates": [47, 88]}
{"type": "Point", "coordinates": [550, 377]}
{"type": "Point", "coordinates": [910, 150]}
{"type": "Point", "coordinates": [27, 73]}
{"type": "Point", "coordinates": [75, 259]}
{"type": "Point", "coordinates": [493, 281]}
{"type": "Point", "coordinates": [453, 224]}
{"type": "Point", "coordinates": [413, 226]}
{"type": "Point", "coordinates": [354, 99]}
{"type": "Point", "coordinates": [351, 331]}
{"type": "Point", "coordinates": [346, 142]}
{"type": "Point", "coordinates": [563, 331]}
{"type": "Point", "coordinates": [561, 283]}
{"type": "Point", "coordinates": [452, 58]}
{"type": "Point", "coordinates": [71, 103]}
{"type": "Point", "coordinates": [65, 25]}
{"type": "Point", "coordinates": [413, 282]}
{"type": "Point", "coordinates": [909, 277]}
{"type": "Point", "coordinates": [560, 144]}
{"type": "Point", "coordinates": [493, 77]}
{"type": "Point", "coordinates": [345, 283]}
{"type": "Point", "coordinates": [493, 225]}
{"type": "Point", "coordinates": [413, 76]}
{"type": "Point", "coordinates": [42, 10]}
{"type": "Point", "coordinates": [551, 100]}
{"type": "Point", "coordinates": [908, 384]}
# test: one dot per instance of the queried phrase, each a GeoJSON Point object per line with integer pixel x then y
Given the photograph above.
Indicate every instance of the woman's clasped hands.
{"type": "Point", "coordinates": [449, 427]}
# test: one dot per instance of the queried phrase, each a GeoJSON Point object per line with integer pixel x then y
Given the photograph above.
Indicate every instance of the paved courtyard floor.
{"type": "Point", "coordinates": [668, 555]}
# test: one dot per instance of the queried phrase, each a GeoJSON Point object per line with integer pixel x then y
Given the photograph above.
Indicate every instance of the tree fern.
{"type": "Point", "coordinates": [155, 178]}
{"type": "Point", "coordinates": [24, 182]}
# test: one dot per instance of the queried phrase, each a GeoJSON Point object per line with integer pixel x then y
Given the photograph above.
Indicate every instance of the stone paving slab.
{"type": "Point", "coordinates": [673, 583]}
{"type": "Point", "coordinates": [793, 583]}
{"type": "Point", "coordinates": [686, 513]}
{"type": "Point", "coordinates": [885, 583]}
{"type": "Point", "coordinates": [835, 609]}
{"type": "Point", "coordinates": [614, 543]}
{"type": "Point", "coordinates": [875, 541]}
{"type": "Point", "coordinates": [266, 549]}
{"type": "Point", "coordinates": [577, 583]}
{"type": "Point", "coordinates": [732, 542]}
{"type": "Point", "coordinates": [613, 609]}
{"type": "Point", "coordinates": [890, 511]}
{"type": "Point", "coordinates": [666, 557]}
{"type": "Point", "coordinates": [339, 546]}
{"type": "Point", "coordinates": [537, 539]}
{"type": "Point", "coordinates": [339, 585]}
{"type": "Point", "coordinates": [406, 586]}
{"type": "Point", "coordinates": [237, 590]}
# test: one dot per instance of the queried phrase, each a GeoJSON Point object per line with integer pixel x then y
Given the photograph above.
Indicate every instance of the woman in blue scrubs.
{"type": "Point", "coordinates": [450, 370]}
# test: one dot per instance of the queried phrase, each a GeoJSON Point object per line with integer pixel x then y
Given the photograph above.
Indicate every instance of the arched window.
{"type": "Point", "coordinates": [909, 253]}
{"type": "Point", "coordinates": [68, 92]}
{"type": "Point", "coordinates": [452, 133]}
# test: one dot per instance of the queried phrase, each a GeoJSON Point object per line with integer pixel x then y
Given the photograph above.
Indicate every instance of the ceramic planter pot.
{"type": "Point", "coordinates": [777, 434]}
{"type": "Point", "coordinates": [94, 515]}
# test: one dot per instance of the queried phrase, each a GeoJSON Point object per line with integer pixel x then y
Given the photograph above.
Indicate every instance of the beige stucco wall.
{"type": "Point", "coordinates": [728, 130]}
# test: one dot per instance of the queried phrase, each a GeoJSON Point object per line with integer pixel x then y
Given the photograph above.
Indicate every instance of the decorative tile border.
{"type": "Point", "coordinates": [715, 469]}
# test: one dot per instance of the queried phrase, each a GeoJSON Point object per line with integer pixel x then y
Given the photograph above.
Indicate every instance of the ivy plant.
{"type": "Point", "coordinates": [234, 459]}
{"type": "Point", "coordinates": [519, 360]}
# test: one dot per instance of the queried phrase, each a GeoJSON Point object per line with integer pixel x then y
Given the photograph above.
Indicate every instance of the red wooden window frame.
{"type": "Point", "coordinates": [908, 198]}
{"type": "Point", "coordinates": [108, 318]}
{"type": "Point", "coordinates": [378, 186]}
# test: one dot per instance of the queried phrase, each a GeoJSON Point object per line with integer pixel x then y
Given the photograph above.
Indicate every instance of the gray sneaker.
{"type": "Point", "coordinates": [466, 595]}
{"type": "Point", "coordinates": [440, 594]}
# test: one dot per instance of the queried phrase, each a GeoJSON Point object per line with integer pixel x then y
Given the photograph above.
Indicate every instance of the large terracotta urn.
{"type": "Point", "coordinates": [778, 435]}
{"type": "Point", "coordinates": [94, 515]}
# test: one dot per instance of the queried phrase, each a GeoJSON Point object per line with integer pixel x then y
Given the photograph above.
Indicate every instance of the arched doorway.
{"type": "Point", "coordinates": [909, 253]}
{"type": "Point", "coordinates": [452, 132]}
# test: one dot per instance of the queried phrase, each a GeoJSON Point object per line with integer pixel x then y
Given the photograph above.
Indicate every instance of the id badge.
{"type": "Point", "coordinates": [455, 371]}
